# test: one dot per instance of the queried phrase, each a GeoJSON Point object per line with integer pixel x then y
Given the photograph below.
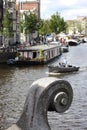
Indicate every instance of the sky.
{"type": "Point", "coordinates": [68, 9]}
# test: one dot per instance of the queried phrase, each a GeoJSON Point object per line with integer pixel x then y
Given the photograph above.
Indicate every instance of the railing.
{"type": "Point", "coordinates": [45, 94]}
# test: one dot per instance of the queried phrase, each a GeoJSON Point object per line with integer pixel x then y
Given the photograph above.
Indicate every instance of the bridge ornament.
{"type": "Point", "coordinates": [45, 94]}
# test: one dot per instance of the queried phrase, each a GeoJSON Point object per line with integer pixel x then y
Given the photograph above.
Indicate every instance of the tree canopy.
{"type": "Point", "coordinates": [7, 24]}
{"type": "Point", "coordinates": [54, 24]}
{"type": "Point", "coordinates": [30, 22]}
{"type": "Point", "coordinates": [44, 27]}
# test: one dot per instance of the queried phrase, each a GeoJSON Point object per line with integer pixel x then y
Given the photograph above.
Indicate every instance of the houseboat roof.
{"type": "Point", "coordinates": [38, 47]}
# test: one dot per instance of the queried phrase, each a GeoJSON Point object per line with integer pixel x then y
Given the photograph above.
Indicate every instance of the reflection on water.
{"type": "Point", "coordinates": [15, 83]}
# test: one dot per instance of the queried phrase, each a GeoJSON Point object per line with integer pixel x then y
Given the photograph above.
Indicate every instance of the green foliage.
{"type": "Point", "coordinates": [44, 27]}
{"type": "Point", "coordinates": [79, 27]}
{"type": "Point", "coordinates": [21, 26]}
{"type": "Point", "coordinates": [7, 25]}
{"type": "Point", "coordinates": [55, 24]}
{"type": "Point", "coordinates": [30, 23]}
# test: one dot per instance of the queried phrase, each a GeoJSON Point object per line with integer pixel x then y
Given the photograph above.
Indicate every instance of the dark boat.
{"type": "Point", "coordinates": [62, 68]}
{"type": "Point", "coordinates": [72, 42]}
{"type": "Point", "coordinates": [65, 49]}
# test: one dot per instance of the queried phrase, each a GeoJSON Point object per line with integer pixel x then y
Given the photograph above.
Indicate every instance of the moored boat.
{"type": "Point", "coordinates": [35, 55]}
{"type": "Point", "coordinates": [73, 42]}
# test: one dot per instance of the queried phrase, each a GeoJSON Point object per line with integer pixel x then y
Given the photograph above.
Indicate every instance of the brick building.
{"type": "Point", "coordinates": [25, 6]}
{"type": "Point", "coordinates": [32, 6]}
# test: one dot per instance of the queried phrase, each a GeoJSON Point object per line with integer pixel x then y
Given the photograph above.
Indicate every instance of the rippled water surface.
{"type": "Point", "coordinates": [15, 83]}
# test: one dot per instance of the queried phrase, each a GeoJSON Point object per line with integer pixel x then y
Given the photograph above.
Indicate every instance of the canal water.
{"type": "Point", "coordinates": [15, 83]}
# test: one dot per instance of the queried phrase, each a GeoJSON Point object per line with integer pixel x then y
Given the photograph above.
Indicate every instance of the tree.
{"type": "Point", "coordinates": [21, 26]}
{"type": "Point", "coordinates": [57, 24]}
{"type": "Point", "coordinates": [7, 25]}
{"type": "Point", "coordinates": [63, 25]}
{"type": "Point", "coordinates": [79, 27]}
{"type": "Point", "coordinates": [30, 23]}
{"type": "Point", "coordinates": [44, 27]}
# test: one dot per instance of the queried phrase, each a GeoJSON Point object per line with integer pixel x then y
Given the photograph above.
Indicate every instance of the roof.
{"type": "Point", "coordinates": [38, 47]}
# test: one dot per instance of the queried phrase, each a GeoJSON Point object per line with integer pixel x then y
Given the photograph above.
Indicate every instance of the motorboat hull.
{"type": "Point", "coordinates": [58, 69]}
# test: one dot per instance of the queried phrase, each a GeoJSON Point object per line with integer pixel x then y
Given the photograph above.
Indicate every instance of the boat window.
{"type": "Point", "coordinates": [34, 54]}
{"type": "Point", "coordinates": [48, 54]}
{"type": "Point", "coordinates": [52, 53]}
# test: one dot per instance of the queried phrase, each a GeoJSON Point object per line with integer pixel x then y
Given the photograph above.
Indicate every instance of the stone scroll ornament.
{"type": "Point", "coordinates": [45, 94]}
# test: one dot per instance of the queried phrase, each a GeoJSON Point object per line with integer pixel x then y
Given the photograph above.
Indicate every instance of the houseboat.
{"type": "Point", "coordinates": [35, 55]}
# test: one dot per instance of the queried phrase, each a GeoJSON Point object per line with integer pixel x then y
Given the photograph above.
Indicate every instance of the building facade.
{"type": "Point", "coordinates": [26, 7]}
{"type": "Point", "coordinates": [9, 5]}
{"type": "Point", "coordinates": [32, 6]}
{"type": "Point", "coordinates": [78, 25]}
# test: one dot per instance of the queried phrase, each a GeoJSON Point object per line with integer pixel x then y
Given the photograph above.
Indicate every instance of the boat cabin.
{"type": "Point", "coordinates": [41, 53]}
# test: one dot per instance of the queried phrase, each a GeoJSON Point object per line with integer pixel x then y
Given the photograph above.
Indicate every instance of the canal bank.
{"type": "Point", "coordinates": [15, 83]}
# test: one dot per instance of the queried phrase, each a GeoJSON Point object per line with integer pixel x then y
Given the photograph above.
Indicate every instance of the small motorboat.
{"type": "Point", "coordinates": [62, 68]}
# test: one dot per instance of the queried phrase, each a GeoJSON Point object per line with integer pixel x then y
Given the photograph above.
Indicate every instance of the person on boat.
{"type": "Point", "coordinates": [63, 64]}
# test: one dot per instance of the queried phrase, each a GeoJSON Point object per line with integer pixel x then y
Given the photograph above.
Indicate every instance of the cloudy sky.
{"type": "Point", "coordinates": [69, 9]}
